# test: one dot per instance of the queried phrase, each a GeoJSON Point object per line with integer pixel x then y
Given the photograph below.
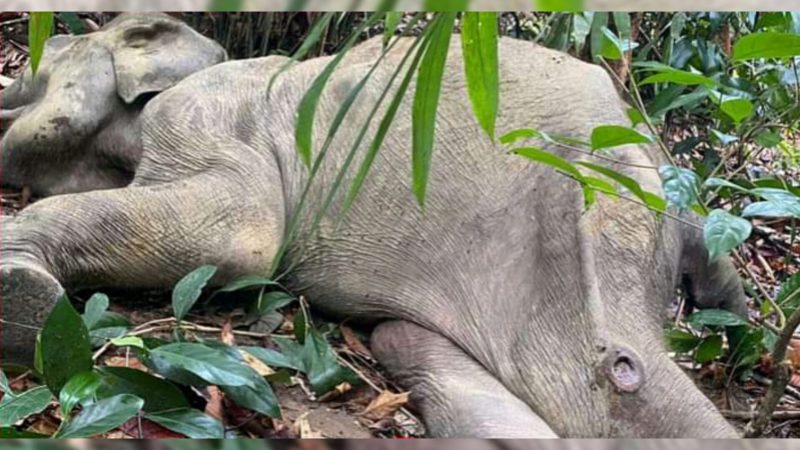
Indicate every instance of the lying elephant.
{"type": "Point", "coordinates": [515, 312]}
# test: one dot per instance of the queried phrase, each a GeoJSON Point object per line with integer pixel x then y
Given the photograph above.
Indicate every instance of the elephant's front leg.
{"type": "Point", "coordinates": [456, 395]}
{"type": "Point", "coordinates": [136, 237]}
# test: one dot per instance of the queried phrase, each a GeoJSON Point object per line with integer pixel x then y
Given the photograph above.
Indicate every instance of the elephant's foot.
{"type": "Point", "coordinates": [456, 395]}
{"type": "Point", "coordinates": [27, 294]}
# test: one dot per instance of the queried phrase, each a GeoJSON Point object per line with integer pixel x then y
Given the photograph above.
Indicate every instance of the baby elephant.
{"type": "Point", "coordinates": [511, 310]}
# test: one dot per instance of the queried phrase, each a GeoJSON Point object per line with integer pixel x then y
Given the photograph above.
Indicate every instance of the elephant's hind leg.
{"type": "Point", "coordinates": [456, 395]}
{"type": "Point", "coordinates": [136, 237]}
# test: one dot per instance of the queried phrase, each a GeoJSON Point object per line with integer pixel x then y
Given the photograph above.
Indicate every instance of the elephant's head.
{"type": "Point", "coordinates": [73, 126]}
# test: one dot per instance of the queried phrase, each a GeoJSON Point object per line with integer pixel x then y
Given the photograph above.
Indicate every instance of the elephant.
{"type": "Point", "coordinates": [505, 305]}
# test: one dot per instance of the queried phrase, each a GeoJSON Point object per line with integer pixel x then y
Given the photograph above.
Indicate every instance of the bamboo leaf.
{"type": "Point", "coordinates": [39, 29]}
{"type": "Point", "coordinates": [479, 43]}
{"type": "Point", "coordinates": [426, 103]}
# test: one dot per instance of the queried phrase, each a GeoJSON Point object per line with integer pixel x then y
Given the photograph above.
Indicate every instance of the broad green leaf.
{"type": "Point", "coordinates": [426, 102]}
{"type": "Point", "coordinates": [304, 127]}
{"type": "Point", "coordinates": [680, 186]}
{"type": "Point", "coordinates": [188, 290]}
{"type": "Point", "coordinates": [65, 346]}
{"type": "Point", "coordinates": [776, 195]}
{"type": "Point", "coordinates": [766, 45]}
{"type": "Point", "coordinates": [189, 422]}
{"type": "Point", "coordinates": [737, 109]}
{"type": "Point", "coordinates": [681, 341]}
{"type": "Point", "coordinates": [479, 43]}
{"type": "Point", "coordinates": [597, 36]}
{"type": "Point", "coordinates": [723, 232]}
{"type": "Point", "coordinates": [210, 364]}
{"type": "Point", "coordinates": [636, 117]}
{"type": "Point", "coordinates": [776, 209]}
{"type": "Point", "coordinates": [273, 358]}
{"type": "Point", "coordinates": [79, 388]}
{"type": "Point", "coordinates": [129, 341]}
{"type": "Point", "coordinates": [272, 301]}
{"type": "Point", "coordinates": [601, 185]}
{"type": "Point", "coordinates": [611, 46]}
{"type": "Point", "coordinates": [100, 417]}
{"type": "Point", "coordinates": [668, 74]}
{"type": "Point", "coordinates": [74, 23]}
{"type": "Point", "coordinates": [40, 27]}
{"type": "Point", "coordinates": [709, 349]}
{"type": "Point", "coordinates": [248, 282]}
{"type": "Point", "coordinates": [158, 394]}
{"type": "Point", "coordinates": [317, 360]}
{"type": "Point", "coordinates": [716, 317]}
{"type": "Point", "coordinates": [20, 406]}
{"type": "Point", "coordinates": [607, 136]}
{"type": "Point", "coordinates": [259, 398]}
{"type": "Point", "coordinates": [95, 308]}
{"type": "Point", "coordinates": [768, 139]}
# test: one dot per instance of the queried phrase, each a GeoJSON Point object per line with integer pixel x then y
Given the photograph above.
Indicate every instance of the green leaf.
{"type": "Point", "coordinates": [65, 346]}
{"type": "Point", "coordinates": [273, 358]}
{"type": "Point", "coordinates": [520, 134]}
{"type": "Point", "coordinates": [426, 102]}
{"type": "Point", "coordinates": [636, 117]}
{"type": "Point", "coordinates": [709, 349]}
{"type": "Point", "coordinates": [716, 317]}
{"type": "Point", "coordinates": [259, 398]}
{"type": "Point", "coordinates": [625, 181]}
{"type": "Point", "coordinates": [17, 407]}
{"type": "Point", "coordinates": [103, 416]}
{"type": "Point", "coordinates": [304, 127]}
{"type": "Point", "coordinates": [558, 163]}
{"type": "Point", "coordinates": [129, 341]}
{"type": "Point", "coordinates": [388, 117]}
{"type": "Point", "coordinates": [738, 109]}
{"type": "Point", "coordinates": [766, 45]}
{"type": "Point", "coordinates": [722, 138]}
{"type": "Point", "coordinates": [40, 27]}
{"type": "Point", "coordinates": [713, 183]}
{"type": "Point", "coordinates": [95, 308]}
{"type": "Point", "coordinates": [768, 139]}
{"type": "Point", "coordinates": [607, 136]}
{"type": "Point", "coordinates": [611, 46]}
{"type": "Point", "coordinates": [189, 422]}
{"type": "Point", "coordinates": [788, 297]}
{"type": "Point", "coordinates": [776, 209]}
{"type": "Point", "coordinates": [210, 364]}
{"type": "Point", "coordinates": [560, 5]}
{"type": "Point", "coordinates": [680, 186]}
{"type": "Point", "coordinates": [390, 25]}
{"type": "Point", "coordinates": [226, 5]}
{"type": "Point", "coordinates": [317, 360]}
{"type": "Point", "coordinates": [188, 290]}
{"type": "Point", "coordinates": [667, 74]}
{"type": "Point", "coordinates": [79, 388]}
{"type": "Point", "coordinates": [13, 433]}
{"type": "Point", "coordinates": [479, 43]}
{"type": "Point", "coordinates": [681, 341]}
{"type": "Point", "coordinates": [272, 301]}
{"type": "Point", "coordinates": [248, 282]}
{"type": "Point", "coordinates": [776, 195]}
{"type": "Point", "coordinates": [723, 232]}
{"type": "Point", "coordinates": [4, 386]}
{"type": "Point", "coordinates": [599, 22]}
{"type": "Point", "coordinates": [158, 394]}
{"type": "Point", "coordinates": [73, 22]}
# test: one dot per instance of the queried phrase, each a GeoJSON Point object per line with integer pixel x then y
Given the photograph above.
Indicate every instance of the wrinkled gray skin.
{"type": "Point", "coordinates": [513, 312]}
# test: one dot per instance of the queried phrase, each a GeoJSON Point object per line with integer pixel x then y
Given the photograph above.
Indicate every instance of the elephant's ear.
{"type": "Point", "coordinates": [153, 53]}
